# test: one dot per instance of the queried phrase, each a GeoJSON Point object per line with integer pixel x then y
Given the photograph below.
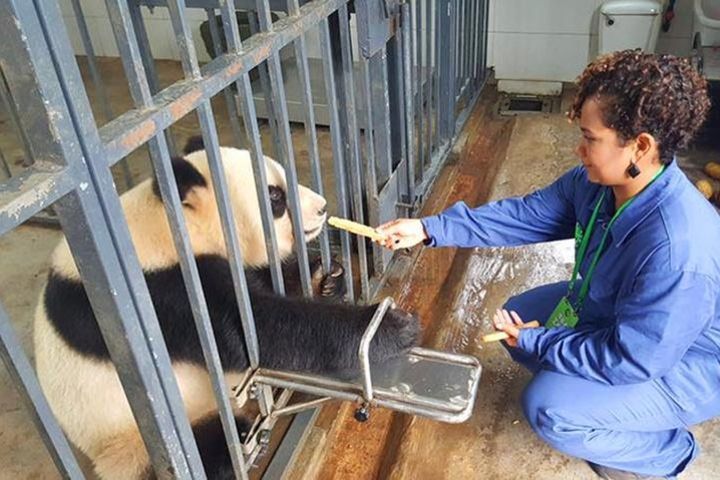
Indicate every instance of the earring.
{"type": "Point", "coordinates": [633, 170]}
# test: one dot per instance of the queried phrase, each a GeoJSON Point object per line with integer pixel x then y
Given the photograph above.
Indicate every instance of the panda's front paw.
{"type": "Point", "coordinates": [398, 333]}
{"type": "Point", "coordinates": [330, 285]}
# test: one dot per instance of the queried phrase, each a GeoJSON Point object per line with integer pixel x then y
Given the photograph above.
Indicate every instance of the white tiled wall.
{"type": "Point", "coordinates": [548, 40]}
{"type": "Point", "coordinates": [553, 40]}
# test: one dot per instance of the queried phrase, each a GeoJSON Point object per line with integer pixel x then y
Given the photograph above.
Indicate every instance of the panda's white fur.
{"type": "Point", "coordinates": [80, 382]}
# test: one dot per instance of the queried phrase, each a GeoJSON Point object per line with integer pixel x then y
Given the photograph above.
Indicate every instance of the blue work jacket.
{"type": "Point", "coordinates": [652, 312]}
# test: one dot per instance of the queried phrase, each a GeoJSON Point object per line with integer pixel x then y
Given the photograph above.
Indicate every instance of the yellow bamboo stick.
{"type": "Point", "coordinates": [354, 227]}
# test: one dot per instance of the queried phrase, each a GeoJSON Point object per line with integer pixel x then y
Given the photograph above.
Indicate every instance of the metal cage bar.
{"type": "Point", "coordinates": [281, 115]}
{"type": "Point", "coordinates": [303, 68]}
{"type": "Point", "coordinates": [331, 93]}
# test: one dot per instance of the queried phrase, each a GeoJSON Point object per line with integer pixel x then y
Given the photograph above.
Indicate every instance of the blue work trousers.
{"type": "Point", "coordinates": [636, 428]}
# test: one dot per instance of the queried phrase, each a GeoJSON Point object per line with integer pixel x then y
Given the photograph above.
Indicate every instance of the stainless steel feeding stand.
{"type": "Point", "coordinates": [433, 384]}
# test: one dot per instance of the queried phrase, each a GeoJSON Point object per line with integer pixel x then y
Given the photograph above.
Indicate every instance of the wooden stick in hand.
{"type": "Point", "coordinates": [356, 228]}
{"type": "Point", "coordinates": [497, 336]}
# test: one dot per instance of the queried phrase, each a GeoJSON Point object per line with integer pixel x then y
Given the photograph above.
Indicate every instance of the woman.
{"type": "Point", "coordinates": [628, 354]}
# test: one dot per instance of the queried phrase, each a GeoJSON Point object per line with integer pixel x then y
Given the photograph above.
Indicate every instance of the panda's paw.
{"type": "Point", "coordinates": [330, 285]}
{"type": "Point", "coordinates": [398, 333]}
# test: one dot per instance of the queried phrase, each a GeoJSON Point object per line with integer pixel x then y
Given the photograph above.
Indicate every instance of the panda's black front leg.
{"type": "Point", "coordinates": [323, 337]}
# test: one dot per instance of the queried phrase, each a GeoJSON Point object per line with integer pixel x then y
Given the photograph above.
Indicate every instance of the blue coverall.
{"type": "Point", "coordinates": [643, 363]}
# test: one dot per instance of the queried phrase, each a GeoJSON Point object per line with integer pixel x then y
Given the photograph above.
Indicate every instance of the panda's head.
{"type": "Point", "coordinates": [197, 193]}
{"type": "Point", "coordinates": [150, 230]}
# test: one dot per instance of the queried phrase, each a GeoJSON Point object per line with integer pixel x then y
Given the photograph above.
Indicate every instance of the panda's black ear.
{"type": "Point", "coordinates": [186, 176]}
{"type": "Point", "coordinates": [194, 144]}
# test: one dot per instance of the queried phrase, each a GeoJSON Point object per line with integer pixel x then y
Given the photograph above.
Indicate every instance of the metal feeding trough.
{"type": "Point", "coordinates": [430, 383]}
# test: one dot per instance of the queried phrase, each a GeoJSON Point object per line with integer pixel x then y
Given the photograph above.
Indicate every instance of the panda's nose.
{"type": "Point", "coordinates": [322, 211]}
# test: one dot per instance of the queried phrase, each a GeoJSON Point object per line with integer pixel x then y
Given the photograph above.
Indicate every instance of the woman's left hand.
{"type": "Point", "coordinates": [510, 323]}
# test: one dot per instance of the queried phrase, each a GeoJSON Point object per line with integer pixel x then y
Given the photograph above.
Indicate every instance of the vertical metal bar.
{"type": "Point", "coordinates": [418, 72]}
{"type": "Point", "coordinates": [279, 102]}
{"type": "Point", "coordinates": [381, 115]}
{"type": "Point", "coordinates": [97, 79]}
{"type": "Point", "coordinates": [147, 60]}
{"type": "Point", "coordinates": [399, 112]}
{"type": "Point", "coordinates": [13, 115]}
{"type": "Point", "coordinates": [232, 110]}
{"type": "Point", "coordinates": [22, 375]}
{"type": "Point", "coordinates": [447, 67]}
{"type": "Point", "coordinates": [4, 165]}
{"type": "Point", "coordinates": [371, 185]}
{"type": "Point", "coordinates": [406, 19]}
{"type": "Point", "coordinates": [338, 148]}
{"type": "Point", "coordinates": [310, 132]}
{"type": "Point", "coordinates": [235, 257]}
{"type": "Point", "coordinates": [429, 83]}
{"type": "Point", "coordinates": [234, 45]}
{"type": "Point", "coordinates": [34, 47]}
{"type": "Point", "coordinates": [270, 107]}
{"type": "Point", "coordinates": [356, 175]}
{"type": "Point", "coordinates": [438, 72]}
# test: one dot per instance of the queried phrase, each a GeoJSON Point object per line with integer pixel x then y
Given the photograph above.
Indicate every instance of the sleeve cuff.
{"type": "Point", "coordinates": [432, 226]}
{"type": "Point", "coordinates": [528, 338]}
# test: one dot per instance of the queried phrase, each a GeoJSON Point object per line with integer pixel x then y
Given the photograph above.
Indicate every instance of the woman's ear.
{"type": "Point", "coordinates": [645, 144]}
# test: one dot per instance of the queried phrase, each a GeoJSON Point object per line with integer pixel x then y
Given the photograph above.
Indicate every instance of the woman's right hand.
{"type": "Point", "coordinates": [402, 233]}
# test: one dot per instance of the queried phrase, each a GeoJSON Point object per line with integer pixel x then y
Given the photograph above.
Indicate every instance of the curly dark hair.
{"type": "Point", "coordinates": [638, 92]}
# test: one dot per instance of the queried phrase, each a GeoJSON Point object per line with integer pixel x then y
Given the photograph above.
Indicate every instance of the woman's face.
{"type": "Point", "coordinates": [600, 150]}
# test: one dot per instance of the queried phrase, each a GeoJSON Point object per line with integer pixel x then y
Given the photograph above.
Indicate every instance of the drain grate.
{"type": "Point", "coordinates": [514, 104]}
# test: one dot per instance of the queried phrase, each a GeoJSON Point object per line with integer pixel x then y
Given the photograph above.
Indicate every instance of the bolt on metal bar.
{"type": "Point", "coordinates": [356, 174]}
{"type": "Point", "coordinates": [338, 149]}
{"type": "Point", "coordinates": [281, 114]}
{"type": "Point", "coordinates": [23, 376]}
{"type": "Point", "coordinates": [252, 132]}
{"type": "Point", "coordinates": [303, 68]}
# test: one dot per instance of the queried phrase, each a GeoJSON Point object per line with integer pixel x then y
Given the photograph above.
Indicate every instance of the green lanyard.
{"type": "Point", "coordinates": [586, 240]}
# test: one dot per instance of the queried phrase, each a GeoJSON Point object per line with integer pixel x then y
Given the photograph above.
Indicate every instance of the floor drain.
{"type": "Point", "coordinates": [527, 104]}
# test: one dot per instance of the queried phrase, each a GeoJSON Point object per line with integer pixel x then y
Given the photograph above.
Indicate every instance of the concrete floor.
{"type": "Point", "coordinates": [453, 291]}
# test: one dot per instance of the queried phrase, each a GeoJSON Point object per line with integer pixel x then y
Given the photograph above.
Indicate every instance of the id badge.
{"type": "Point", "coordinates": [563, 316]}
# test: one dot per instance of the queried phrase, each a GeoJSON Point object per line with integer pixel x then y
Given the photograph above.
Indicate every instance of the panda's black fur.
{"type": "Point", "coordinates": [294, 333]}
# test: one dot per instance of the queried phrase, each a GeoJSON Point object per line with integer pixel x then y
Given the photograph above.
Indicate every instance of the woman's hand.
{"type": "Point", "coordinates": [510, 323]}
{"type": "Point", "coordinates": [402, 233]}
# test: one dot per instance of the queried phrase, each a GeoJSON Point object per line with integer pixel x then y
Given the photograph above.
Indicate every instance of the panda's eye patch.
{"type": "Point", "coordinates": [277, 201]}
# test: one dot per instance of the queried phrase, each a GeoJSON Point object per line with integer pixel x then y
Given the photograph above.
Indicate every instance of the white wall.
{"type": "Point", "coordinates": [553, 40]}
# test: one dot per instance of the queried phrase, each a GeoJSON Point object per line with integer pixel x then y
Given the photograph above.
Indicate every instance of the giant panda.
{"type": "Point", "coordinates": [318, 336]}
